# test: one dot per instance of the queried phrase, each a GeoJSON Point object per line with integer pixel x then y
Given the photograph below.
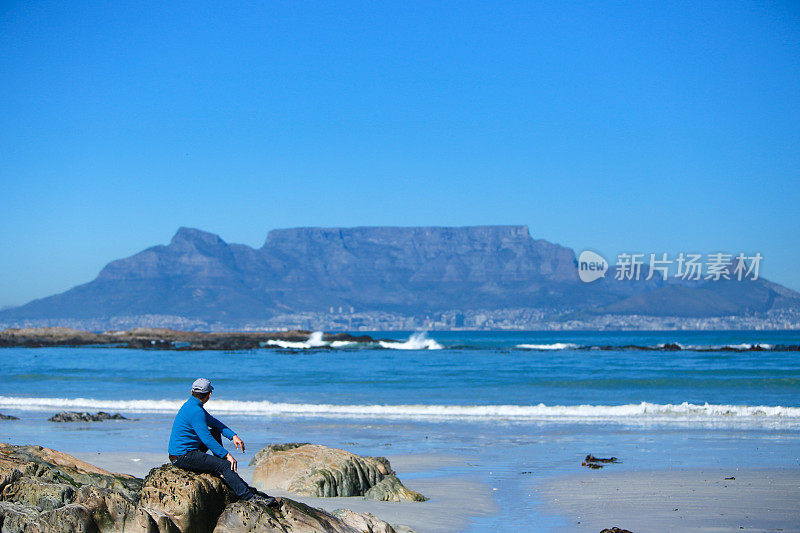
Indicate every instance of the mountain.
{"type": "Point", "coordinates": [401, 270]}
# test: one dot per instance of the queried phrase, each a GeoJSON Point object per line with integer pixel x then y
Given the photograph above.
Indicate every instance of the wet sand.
{"type": "Point", "coordinates": [700, 500]}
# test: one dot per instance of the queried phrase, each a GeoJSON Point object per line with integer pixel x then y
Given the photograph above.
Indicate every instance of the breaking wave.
{"type": "Point", "coordinates": [554, 346]}
{"type": "Point", "coordinates": [417, 341]}
{"type": "Point", "coordinates": [640, 413]}
{"type": "Point", "coordinates": [667, 347]}
{"type": "Point", "coordinates": [314, 341]}
{"type": "Point", "coordinates": [420, 341]}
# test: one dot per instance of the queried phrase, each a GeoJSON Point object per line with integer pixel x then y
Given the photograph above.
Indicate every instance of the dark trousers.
{"type": "Point", "coordinates": [200, 461]}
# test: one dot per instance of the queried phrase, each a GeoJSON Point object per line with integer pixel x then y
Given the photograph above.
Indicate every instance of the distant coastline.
{"type": "Point", "coordinates": [516, 319]}
{"type": "Point", "coordinates": [167, 339]}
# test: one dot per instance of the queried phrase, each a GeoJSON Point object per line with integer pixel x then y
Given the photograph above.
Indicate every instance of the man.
{"type": "Point", "coordinates": [195, 431]}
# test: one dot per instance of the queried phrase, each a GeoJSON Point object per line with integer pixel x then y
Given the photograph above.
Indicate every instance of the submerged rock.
{"type": "Point", "coordinates": [74, 416]}
{"type": "Point", "coordinates": [7, 417]}
{"type": "Point", "coordinates": [315, 470]}
{"type": "Point", "coordinates": [594, 462]}
{"type": "Point", "coordinates": [43, 490]}
{"type": "Point", "coordinates": [592, 459]}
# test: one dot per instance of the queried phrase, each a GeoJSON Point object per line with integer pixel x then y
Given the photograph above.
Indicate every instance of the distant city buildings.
{"type": "Point", "coordinates": [346, 318]}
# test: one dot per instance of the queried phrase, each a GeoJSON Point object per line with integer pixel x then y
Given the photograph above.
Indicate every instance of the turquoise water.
{"type": "Point", "coordinates": [505, 408]}
{"type": "Point", "coordinates": [471, 369]}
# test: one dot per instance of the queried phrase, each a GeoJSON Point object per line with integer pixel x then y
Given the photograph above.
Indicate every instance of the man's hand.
{"type": "Point", "coordinates": [239, 443]}
{"type": "Point", "coordinates": [232, 461]}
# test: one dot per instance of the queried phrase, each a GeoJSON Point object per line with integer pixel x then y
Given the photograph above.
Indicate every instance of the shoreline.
{"type": "Point", "coordinates": [525, 477]}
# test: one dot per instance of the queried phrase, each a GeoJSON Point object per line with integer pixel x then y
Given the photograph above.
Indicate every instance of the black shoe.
{"type": "Point", "coordinates": [267, 501]}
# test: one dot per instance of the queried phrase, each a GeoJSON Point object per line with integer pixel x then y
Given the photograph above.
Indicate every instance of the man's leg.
{"type": "Point", "coordinates": [198, 461]}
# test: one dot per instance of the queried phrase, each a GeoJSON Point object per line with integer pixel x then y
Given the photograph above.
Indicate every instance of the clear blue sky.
{"type": "Point", "coordinates": [651, 127]}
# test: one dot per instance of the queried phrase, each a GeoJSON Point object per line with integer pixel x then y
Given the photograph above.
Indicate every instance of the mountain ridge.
{"type": "Point", "coordinates": [406, 270]}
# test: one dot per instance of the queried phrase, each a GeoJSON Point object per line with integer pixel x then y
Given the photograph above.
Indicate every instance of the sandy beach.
{"type": "Point", "coordinates": [701, 500]}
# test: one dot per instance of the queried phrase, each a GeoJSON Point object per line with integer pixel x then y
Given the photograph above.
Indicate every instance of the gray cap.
{"type": "Point", "coordinates": [202, 385]}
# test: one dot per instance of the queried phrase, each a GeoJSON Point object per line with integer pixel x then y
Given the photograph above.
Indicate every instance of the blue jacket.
{"type": "Point", "coordinates": [190, 430]}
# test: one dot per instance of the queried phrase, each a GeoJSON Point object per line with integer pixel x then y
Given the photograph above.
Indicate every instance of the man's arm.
{"type": "Point", "coordinates": [199, 425]}
{"type": "Point", "coordinates": [216, 424]}
{"type": "Point", "coordinates": [225, 430]}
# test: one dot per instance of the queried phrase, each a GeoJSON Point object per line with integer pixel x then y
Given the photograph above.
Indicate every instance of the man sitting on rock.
{"type": "Point", "coordinates": [195, 431]}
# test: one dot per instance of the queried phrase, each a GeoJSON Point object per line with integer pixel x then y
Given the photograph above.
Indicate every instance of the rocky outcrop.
{"type": "Point", "coordinates": [590, 461]}
{"type": "Point", "coordinates": [74, 416]}
{"type": "Point", "coordinates": [314, 470]}
{"type": "Point", "coordinates": [46, 465]}
{"type": "Point", "coordinates": [293, 517]}
{"type": "Point", "coordinates": [163, 339]}
{"type": "Point", "coordinates": [42, 490]}
{"type": "Point", "coordinates": [189, 501]}
{"type": "Point", "coordinates": [390, 489]}
{"type": "Point", "coordinates": [7, 417]}
{"type": "Point", "coordinates": [45, 490]}
{"type": "Point", "coordinates": [263, 454]}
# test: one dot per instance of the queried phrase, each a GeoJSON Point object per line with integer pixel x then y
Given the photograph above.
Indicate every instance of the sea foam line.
{"type": "Point", "coordinates": [417, 341]}
{"type": "Point", "coordinates": [644, 411]}
{"type": "Point", "coordinates": [554, 346]}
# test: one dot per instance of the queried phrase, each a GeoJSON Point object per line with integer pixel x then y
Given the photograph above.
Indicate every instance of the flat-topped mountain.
{"type": "Point", "coordinates": [403, 270]}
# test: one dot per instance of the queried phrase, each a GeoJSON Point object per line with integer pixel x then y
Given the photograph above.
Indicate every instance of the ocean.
{"type": "Point", "coordinates": [519, 407]}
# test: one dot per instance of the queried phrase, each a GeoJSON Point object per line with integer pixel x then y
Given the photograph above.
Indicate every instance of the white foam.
{"type": "Point", "coordinates": [747, 346]}
{"type": "Point", "coordinates": [314, 341]}
{"type": "Point", "coordinates": [644, 412]}
{"type": "Point", "coordinates": [554, 346]}
{"type": "Point", "coordinates": [344, 344]}
{"type": "Point", "coordinates": [417, 341]}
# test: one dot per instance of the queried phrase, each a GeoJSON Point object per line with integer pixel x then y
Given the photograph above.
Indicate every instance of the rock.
{"type": "Point", "coordinates": [160, 338]}
{"type": "Point", "coordinates": [191, 502]}
{"type": "Point", "coordinates": [594, 462]}
{"type": "Point", "coordinates": [14, 517]}
{"type": "Point", "coordinates": [389, 489]}
{"type": "Point", "coordinates": [262, 454]}
{"type": "Point", "coordinates": [46, 491]}
{"type": "Point", "coordinates": [671, 347]}
{"type": "Point", "coordinates": [400, 528]}
{"type": "Point", "coordinates": [290, 516]}
{"type": "Point", "coordinates": [615, 530]}
{"type": "Point", "coordinates": [73, 416]}
{"type": "Point", "coordinates": [7, 417]}
{"type": "Point", "coordinates": [314, 470]}
{"type": "Point", "coordinates": [592, 459]}
{"type": "Point", "coordinates": [51, 466]}
{"type": "Point", "coordinates": [34, 492]}
{"type": "Point", "coordinates": [364, 521]}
